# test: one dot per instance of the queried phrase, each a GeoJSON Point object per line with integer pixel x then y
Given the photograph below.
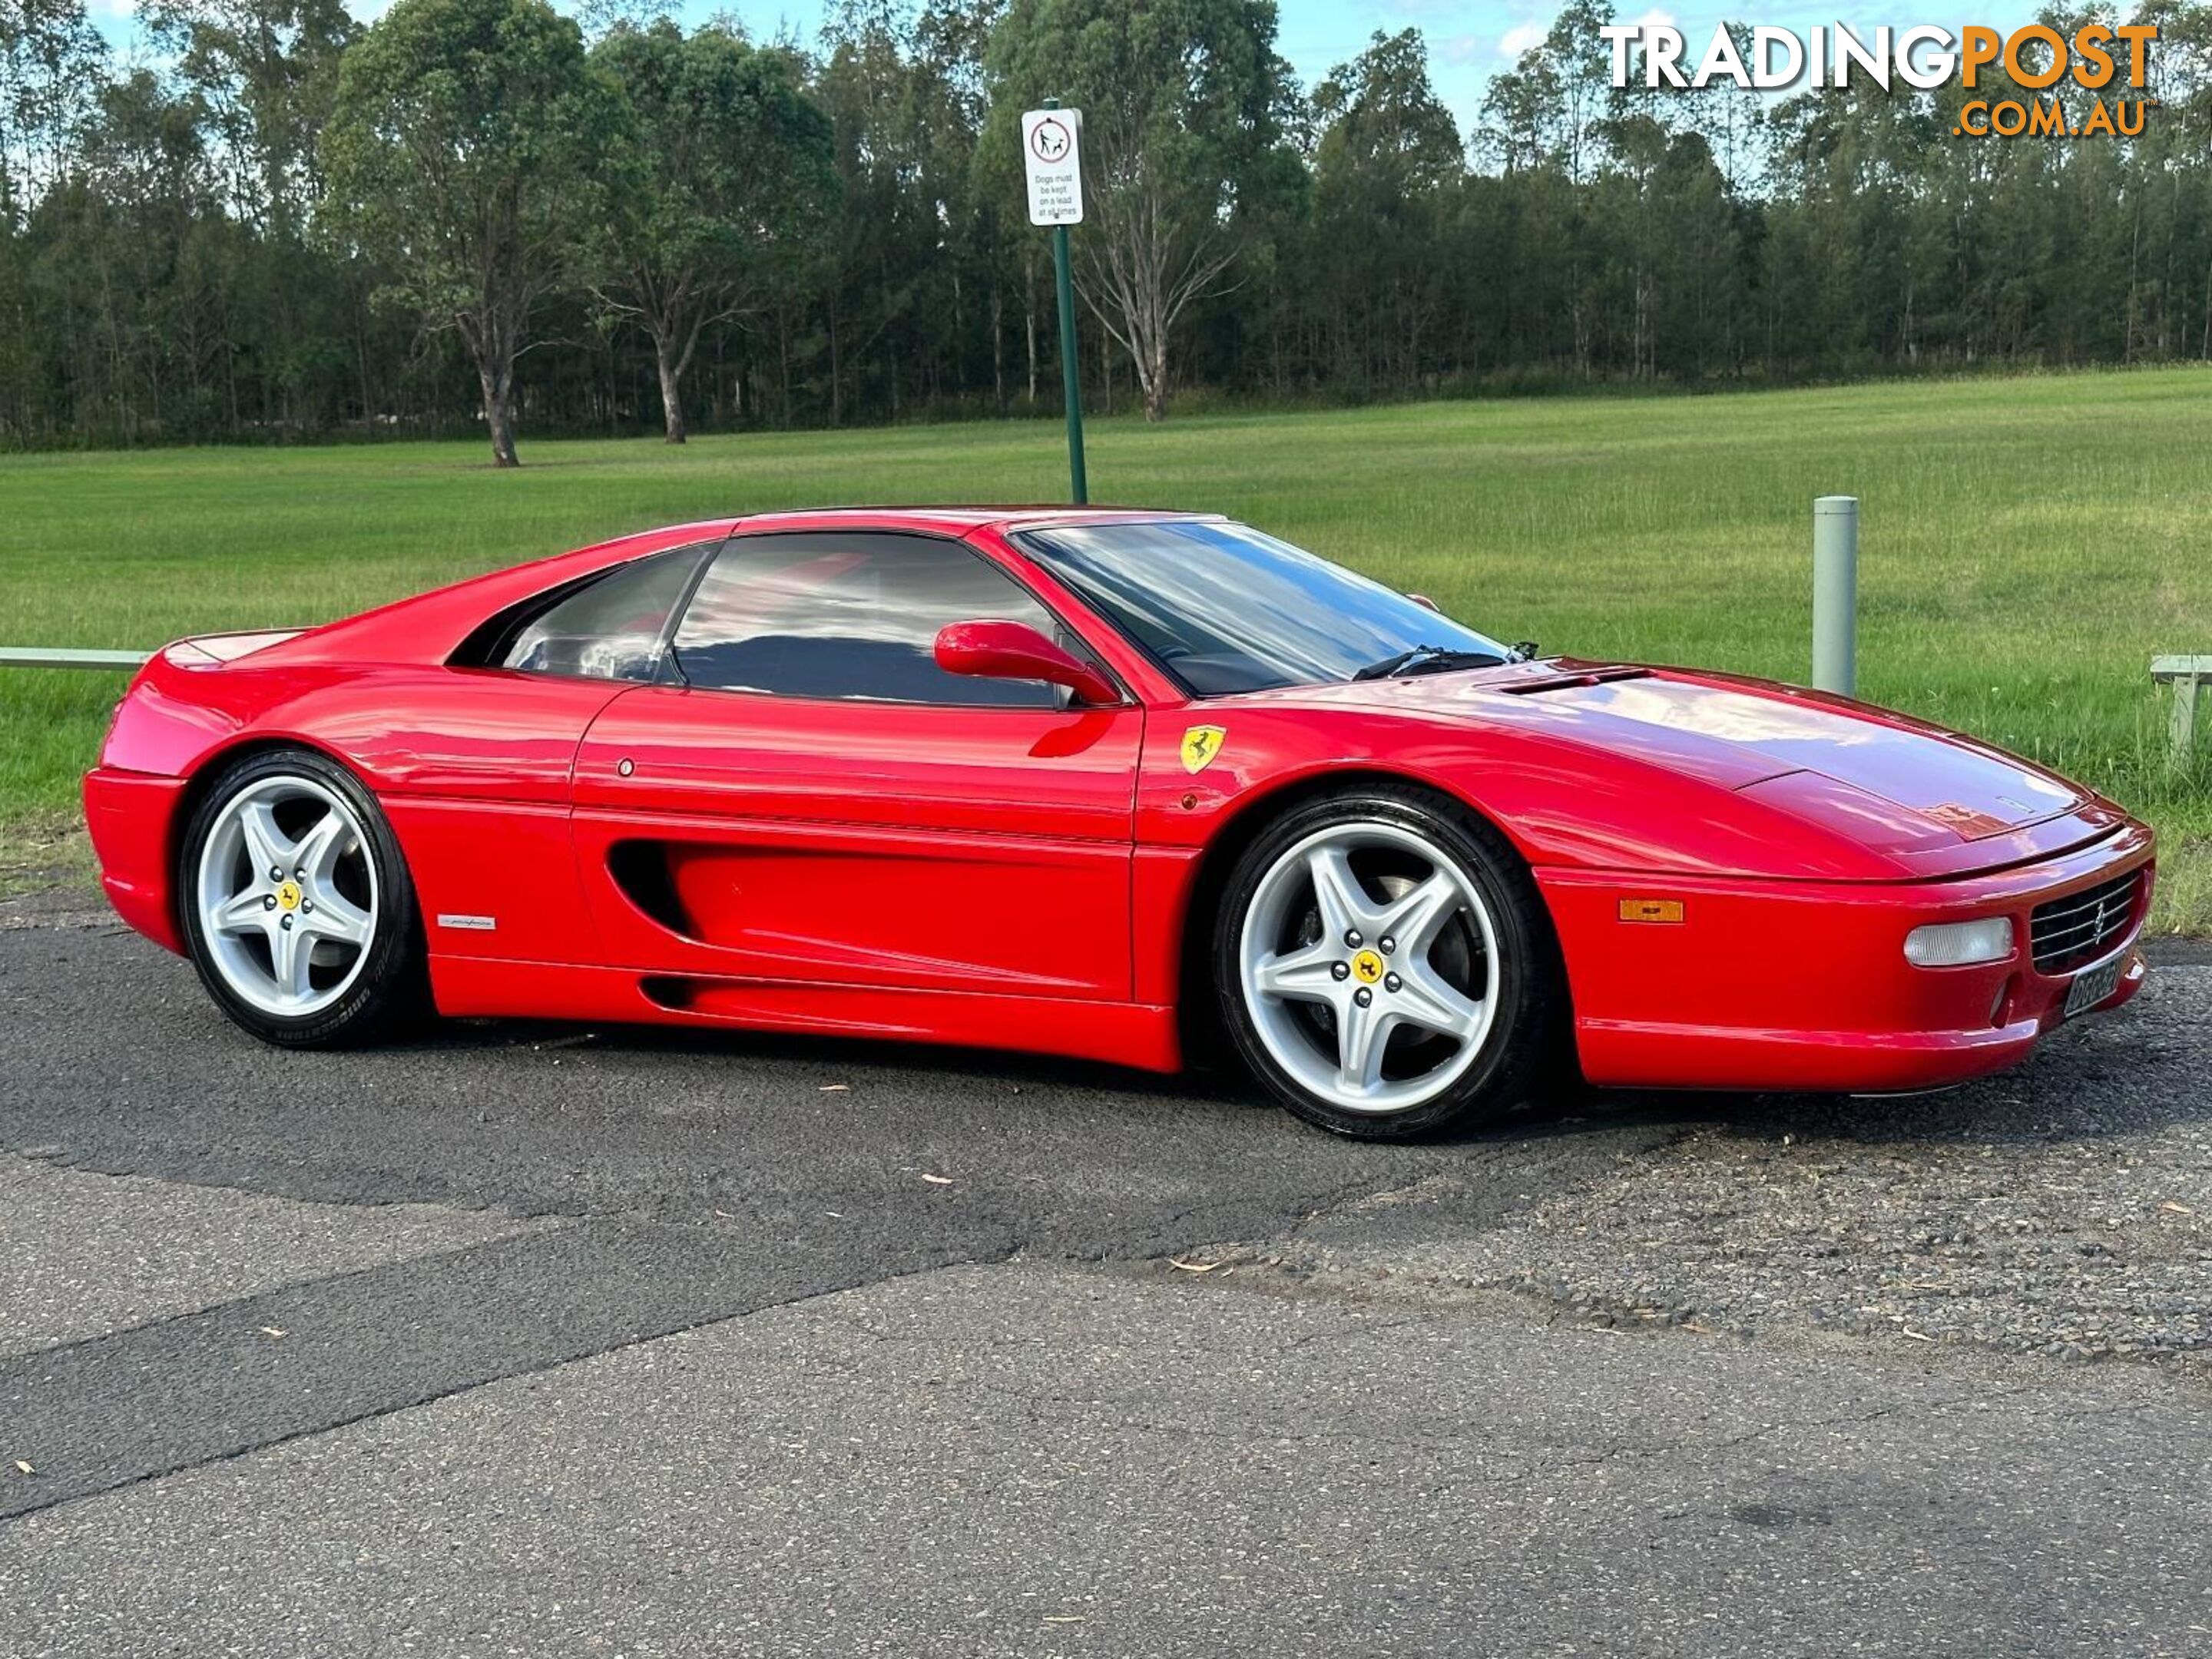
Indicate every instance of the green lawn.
{"type": "Point", "coordinates": [2028, 544]}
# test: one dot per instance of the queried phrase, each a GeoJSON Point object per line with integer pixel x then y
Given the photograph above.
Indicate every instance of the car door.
{"type": "Point", "coordinates": [806, 798]}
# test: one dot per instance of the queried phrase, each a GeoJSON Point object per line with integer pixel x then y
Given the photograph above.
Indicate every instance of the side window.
{"type": "Point", "coordinates": [611, 629]}
{"type": "Point", "coordinates": [825, 614]}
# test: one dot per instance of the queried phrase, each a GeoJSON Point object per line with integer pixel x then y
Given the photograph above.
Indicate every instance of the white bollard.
{"type": "Point", "coordinates": [1836, 594]}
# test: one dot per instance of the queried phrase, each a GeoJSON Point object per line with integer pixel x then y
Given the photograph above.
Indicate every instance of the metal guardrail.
{"type": "Point", "coordinates": [32, 656]}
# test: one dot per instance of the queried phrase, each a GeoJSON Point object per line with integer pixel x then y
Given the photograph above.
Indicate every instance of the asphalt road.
{"type": "Point", "coordinates": [547, 1340]}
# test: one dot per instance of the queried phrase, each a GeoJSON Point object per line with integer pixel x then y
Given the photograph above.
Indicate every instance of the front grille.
{"type": "Point", "coordinates": [2065, 932]}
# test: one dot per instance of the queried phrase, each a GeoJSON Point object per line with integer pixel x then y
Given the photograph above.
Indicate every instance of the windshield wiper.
{"type": "Point", "coordinates": [1428, 659]}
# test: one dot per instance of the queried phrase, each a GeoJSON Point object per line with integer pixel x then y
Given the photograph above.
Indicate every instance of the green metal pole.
{"type": "Point", "coordinates": [1070, 375]}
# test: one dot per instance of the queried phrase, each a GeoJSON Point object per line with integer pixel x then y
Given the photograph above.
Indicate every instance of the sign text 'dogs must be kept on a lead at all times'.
{"type": "Point", "coordinates": [1052, 152]}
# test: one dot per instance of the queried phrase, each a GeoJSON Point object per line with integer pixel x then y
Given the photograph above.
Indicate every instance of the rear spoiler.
{"type": "Point", "coordinates": [213, 650]}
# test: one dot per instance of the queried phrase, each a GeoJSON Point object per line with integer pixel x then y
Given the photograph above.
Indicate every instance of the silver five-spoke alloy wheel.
{"type": "Point", "coordinates": [1369, 966]}
{"type": "Point", "coordinates": [287, 896]}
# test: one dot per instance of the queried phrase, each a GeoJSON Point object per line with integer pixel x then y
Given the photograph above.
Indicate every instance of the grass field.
{"type": "Point", "coordinates": [2027, 545]}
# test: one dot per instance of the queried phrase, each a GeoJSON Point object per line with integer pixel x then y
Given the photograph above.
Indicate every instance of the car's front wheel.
{"type": "Point", "coordinates": [297, 907]}
{"type": "Point", "coordinates": [1385, 965]}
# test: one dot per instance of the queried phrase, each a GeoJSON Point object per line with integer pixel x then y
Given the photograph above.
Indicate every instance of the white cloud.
{"type": "Point", "coordinates": [1656, 18]}
{"type": "Point", "coordinates": [1522, 37]}
{"type": "Point", "coordinates": [1462, 48]}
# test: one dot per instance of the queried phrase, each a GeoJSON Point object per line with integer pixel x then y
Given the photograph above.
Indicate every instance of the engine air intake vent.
{"type": "Point", "coordinates": [641, 869]}
{"type": "Point", "coordinates": [1568, 680]}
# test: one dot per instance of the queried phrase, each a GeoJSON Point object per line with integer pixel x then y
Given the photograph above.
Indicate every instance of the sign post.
{"type": "Point", "coordinates": [1052, 161]}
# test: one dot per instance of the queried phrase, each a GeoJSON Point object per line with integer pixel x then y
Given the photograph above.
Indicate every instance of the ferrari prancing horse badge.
{"type": "Point", "coordinates": [1200, 745]}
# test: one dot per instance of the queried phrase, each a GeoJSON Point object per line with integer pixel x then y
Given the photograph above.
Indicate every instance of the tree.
{"type": "Point", "coordinates": [1183, 102]}
{"type": "Point", "coordinates": [1389, 153]}
{"type": "Point", "coordinates": [51, 69]}
{"type": "Point", "coordinates": [1525, 111]}
{"type": "Point", "coordinates": [266, 71]}
{"type": "Point", "coordinates": [176, 265]}
{"type": "Point", "coordinates": [891, 294]}
{"type": "Point", "coordinates": [262, 73]}
{"type": "Point", "coordinates": [459, 158]}
{"type": "Point", "coordinates": [1585, 69]}
{"type": "Point", "coordinates": [721, 166]}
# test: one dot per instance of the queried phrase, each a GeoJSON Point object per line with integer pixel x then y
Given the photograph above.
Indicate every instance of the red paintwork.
{"type": "Point", "coordinates": [1025, 878]}
{"type": "Point", "coordinates": [971, 850]}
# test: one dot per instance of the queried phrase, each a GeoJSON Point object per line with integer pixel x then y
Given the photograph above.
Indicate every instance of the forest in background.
{"type": "Point", "coordinates": [277, 224]}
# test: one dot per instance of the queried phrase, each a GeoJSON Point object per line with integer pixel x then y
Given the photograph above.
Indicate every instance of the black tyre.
{"type": "Point", "coordinates": [1386, 967]}
{"type": "Point", "coordinates": [297, 907]}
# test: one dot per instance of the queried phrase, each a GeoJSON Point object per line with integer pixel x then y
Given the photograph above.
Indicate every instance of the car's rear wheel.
{"type": "Point", "coordinates": [297, 907]}
{"type": "Point", "coordinates": [1385, 966]}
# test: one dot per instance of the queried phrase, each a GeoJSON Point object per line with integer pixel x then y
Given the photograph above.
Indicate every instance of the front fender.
{"type": "Point", "coordinates": [1559, 803]}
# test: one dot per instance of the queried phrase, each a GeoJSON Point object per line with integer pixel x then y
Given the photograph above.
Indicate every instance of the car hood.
{"type": "Point", "coordinates": [1887, 779]}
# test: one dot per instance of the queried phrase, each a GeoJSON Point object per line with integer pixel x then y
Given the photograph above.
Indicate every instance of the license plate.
{"type": "Point", "coordinates": [2092, 987]}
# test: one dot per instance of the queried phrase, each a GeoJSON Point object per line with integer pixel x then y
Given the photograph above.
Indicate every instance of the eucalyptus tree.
{"type": "Point", "coordinates": [261, 75]}
{"type": "Point", "coordinates": [176, 262]}
{"type": "Point", "coordinates": [1184, 103]}
{"type": "Point", "coordinates": [1585, 65]}
{"type": "Point", "coordinates": [53, 64]}
{"type": "Point", "coordinates": [982, 239]}
{"type": "Point", "coordinates": [896, 288]}
{"type": "Point", "coordinates": [1386, 172]}
{"type": "Point", "coordinates": [53, 67]}
{"type": "Point", "coordinates": [719, 169]}
{"type": "Point", "coordinates": [461, 159]}
{"type": "Point", "coordinates": [266, 72]}
{"type": "Point", "coordinates": [1523, 114]}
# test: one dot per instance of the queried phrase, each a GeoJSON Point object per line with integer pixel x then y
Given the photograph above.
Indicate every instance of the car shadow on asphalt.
{"type": "Point", "coordinates": [2134, 1069]}
{"type": "Point", "coordinates": [2051, 1096]}
{"type": "Point", "coordinates": [2117, 1076]}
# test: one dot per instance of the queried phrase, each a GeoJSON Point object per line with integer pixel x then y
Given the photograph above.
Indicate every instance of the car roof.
{"type": "Point", "coordinates": [955, 520]}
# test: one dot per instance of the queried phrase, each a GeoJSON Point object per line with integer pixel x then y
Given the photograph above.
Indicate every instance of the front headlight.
{"type": "Point", "coordinates": [1957, 944]}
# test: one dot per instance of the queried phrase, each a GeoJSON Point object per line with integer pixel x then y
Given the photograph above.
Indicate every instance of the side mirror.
{"type": "Point", "coordinates": [1015, 651]}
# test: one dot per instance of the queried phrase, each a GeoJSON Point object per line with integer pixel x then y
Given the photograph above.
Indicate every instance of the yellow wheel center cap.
{"type": "Point", "coordinates": [287, 895]}
{"type": "Point", "coordinates": [1367, 967]}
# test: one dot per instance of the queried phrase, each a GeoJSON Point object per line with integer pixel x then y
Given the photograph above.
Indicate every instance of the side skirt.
{"type": "Point", "coordinates": [1138, 1034]}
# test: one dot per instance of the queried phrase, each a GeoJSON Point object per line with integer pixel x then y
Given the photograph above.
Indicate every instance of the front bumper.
{"type": "Point", "coordinates": [1790, 984]}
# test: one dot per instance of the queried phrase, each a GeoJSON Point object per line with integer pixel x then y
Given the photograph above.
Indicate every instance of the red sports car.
{"type": "Point", "coordinates": [1099, 783]}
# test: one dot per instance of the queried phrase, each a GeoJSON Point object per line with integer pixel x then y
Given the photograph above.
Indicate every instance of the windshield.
{"type": "Point", "coordinates": [1224, 609]}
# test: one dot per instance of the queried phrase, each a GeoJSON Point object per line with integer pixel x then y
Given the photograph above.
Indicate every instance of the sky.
{"type": "Point", "coordinates": [1468, 40]}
